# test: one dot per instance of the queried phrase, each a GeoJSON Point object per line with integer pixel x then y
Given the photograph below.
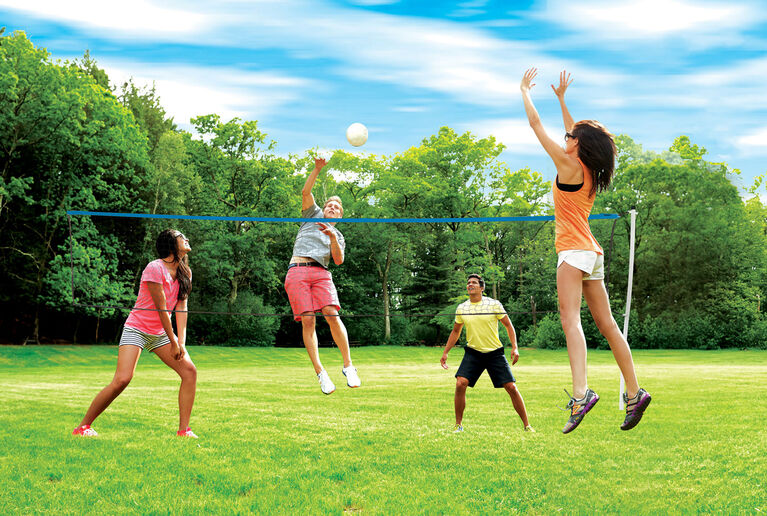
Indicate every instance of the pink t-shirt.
{"type": "Point", "coordinates": [148, 321]}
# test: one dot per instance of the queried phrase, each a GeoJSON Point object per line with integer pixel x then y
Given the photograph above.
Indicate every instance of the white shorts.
{"type": "Point", "coordinates": [134, 337]}
{"type": "Point", "coordinates": [590, 262]}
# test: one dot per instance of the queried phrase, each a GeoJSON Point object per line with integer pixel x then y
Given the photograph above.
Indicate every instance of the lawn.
{"type": "Point", "coordinates": [271, 442]}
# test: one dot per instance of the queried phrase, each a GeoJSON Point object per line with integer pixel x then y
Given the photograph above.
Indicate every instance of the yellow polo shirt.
{"type": "Point", "coordinates": [481, 321]}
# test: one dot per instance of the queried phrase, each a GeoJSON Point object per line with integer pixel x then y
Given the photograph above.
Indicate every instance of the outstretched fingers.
{"type": "Point", "coordinates": [527, 78]}
{"type": "Point", "coordinates": [564, 82]}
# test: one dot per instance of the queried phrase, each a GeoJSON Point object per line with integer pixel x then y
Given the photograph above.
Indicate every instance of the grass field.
{"type": "Point", "coordinates": [271, 442]}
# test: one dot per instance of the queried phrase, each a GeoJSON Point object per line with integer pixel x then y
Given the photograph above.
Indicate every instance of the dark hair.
{"type": "Point", "coordinates": [481, 281]}
{"type": "Point", "coordinates": [596, 149]}
{"type": "Point", "coordinates": [166, 244]}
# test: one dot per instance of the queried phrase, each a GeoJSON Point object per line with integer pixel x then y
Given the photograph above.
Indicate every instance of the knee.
{"type": "Point", "coordinates": [461, 383]}
{"type": "Point", "coordinates": [189, 372]}
{"type": "Point", "coordinates": [331, 316]}
{"type": "Point", "coordinates": [570, 322]}
{"type": "Point", "coordinates": [510, 387]}
{"type": "Point", "coordinates": [120, 382]}
{"type": "Point", "coordinates": [308, 322]}
{"type": "Point", "coordinates": [607, 327]}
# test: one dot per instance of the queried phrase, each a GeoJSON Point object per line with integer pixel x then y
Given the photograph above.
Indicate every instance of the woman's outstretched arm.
{"type": "Point", "coordinates": [565, 166]}
{"type": "Point", "coordinates": [564, 82]}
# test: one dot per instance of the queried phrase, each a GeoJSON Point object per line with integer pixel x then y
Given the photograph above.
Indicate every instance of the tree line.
{"type": "Point", "coordinates": [69, 140]}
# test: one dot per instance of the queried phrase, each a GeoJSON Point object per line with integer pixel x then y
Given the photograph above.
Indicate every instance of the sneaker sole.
{"type": "Point", "coordinates": [585, 411]}
{"type": "Point", "coordinates": [639, 412]}
{"type": "Point", "coordinates": [347, 383]}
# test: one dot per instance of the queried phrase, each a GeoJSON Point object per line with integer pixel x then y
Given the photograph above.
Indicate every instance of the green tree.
{"type": "Point", "coordinates": [697, 253]}
{"type": "Point", "coordinates": [65, 143]}
{"type": "Point", "coordinates": [239, 176]}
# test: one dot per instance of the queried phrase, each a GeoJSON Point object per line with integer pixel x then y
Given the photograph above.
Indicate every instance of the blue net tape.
{"type": "Point", "coordinates": [360, 220]}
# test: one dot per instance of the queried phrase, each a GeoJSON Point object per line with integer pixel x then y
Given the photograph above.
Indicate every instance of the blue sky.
{"type": "Point", "coordinates": [307, 69]}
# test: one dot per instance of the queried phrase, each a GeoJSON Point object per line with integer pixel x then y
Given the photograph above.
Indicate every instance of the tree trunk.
{"type": "Point", "coordinates": [385, 287]}
{"type": "Point", "coordinates": [98, 323]}
{"type": "Point", "coordinates": [490, 257]}
{"type": "Point", "coordinates": [383, 274]}
{"type": "Point", "coordinates": [36, 333]}
{"type": "Point", "coordinates": [77, 327]}
{"type": "Point", "coordinates": [233, 292]}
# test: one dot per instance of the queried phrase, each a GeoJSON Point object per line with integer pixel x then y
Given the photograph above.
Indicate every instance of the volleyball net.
{"type": "Point", "coordinates": [394, 267]}
{"type": "Point", "coordinates": [401, 281]}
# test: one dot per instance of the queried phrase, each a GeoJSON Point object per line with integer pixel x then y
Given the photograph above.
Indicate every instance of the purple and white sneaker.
{"type": "Point", "coordinates": [579, 408]}
{"type": "Point", "coordinates": [635, 408]}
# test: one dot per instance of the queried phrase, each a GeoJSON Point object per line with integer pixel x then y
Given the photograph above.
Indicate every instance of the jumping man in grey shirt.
{"type": "Point", "coordinates": [309, 284]}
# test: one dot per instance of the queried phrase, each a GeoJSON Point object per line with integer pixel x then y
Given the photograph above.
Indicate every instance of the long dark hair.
{"type": "Point", "coordinates": [166, 244]}
{"type": "Point", "coordinates": [596, 149]}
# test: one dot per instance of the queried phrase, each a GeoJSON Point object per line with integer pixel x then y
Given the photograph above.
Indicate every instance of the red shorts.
{"type": "Point", "coordinates": [310, 289]}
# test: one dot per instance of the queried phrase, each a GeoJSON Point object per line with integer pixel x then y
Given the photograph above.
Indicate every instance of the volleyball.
{"type": "Point", "coordinates": [357, 134]}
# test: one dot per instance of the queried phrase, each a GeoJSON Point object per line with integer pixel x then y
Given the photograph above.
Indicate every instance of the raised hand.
{"type": "Point", "coordinates": [319, 163]}
{"type": "Point", "coordinates": [527, 79]}
{"type": "Point", "coordinates": [327, 230]}
{"type": "Point", "coordinates": [564, 82]}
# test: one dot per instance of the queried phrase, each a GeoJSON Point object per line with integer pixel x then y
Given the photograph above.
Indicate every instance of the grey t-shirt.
{"type": "Point", "coordinates": [313, 243]}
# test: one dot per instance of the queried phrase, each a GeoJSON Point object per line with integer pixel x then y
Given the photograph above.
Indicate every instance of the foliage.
{"type": "Point", "coordinates": [68, 141]}
{"type": "Point", "coordinates": [550, 334]}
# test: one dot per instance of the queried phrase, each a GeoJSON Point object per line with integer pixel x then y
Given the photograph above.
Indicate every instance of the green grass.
{"type": "Point", "coordinates": [270, 442]}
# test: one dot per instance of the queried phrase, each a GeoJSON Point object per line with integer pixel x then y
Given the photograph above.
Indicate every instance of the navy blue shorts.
{"type": "Point", "coordinates": [475, 362]}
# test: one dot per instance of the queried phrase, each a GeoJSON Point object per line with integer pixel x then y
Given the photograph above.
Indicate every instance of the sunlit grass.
{"type": "Point", "coordinates": [271, 442]}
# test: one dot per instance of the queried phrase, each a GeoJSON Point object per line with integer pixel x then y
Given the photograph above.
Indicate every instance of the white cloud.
{"type": "Point", "coordinates": [370, 3]}
{"type": "Point", "coordinates": [651, 18]}
{"type": "Point", "coordinates": [515, 134]}
{"type": "Point", "coordinates": [409, 109]}
{"type": "Point", "coordinates": [457, 60]}
{"type": "Point", "coordinates": [186, 92]}
{"type": "Point", "coordinates": [137, 17]}
{"type": "Point", "coordinates": [754, 142]}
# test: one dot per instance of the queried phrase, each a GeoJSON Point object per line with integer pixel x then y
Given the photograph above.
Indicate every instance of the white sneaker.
{"type": "Point", "coordinates": [326, 384]}
{"type": "Point", "coordinates": [352, 378]}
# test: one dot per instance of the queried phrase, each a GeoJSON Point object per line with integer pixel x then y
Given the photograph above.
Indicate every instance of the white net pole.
{"type": "Point", "coordinates": [632, 241]}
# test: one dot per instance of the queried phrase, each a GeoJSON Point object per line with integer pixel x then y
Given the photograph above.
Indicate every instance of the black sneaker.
{"type": "Point", "coordinates": [579, 408]}
{"type": "Point", "coordinates": [635, 407]}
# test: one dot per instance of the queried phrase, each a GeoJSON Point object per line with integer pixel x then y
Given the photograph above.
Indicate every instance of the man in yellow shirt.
{"type": "Point", "coordinates": [484, 350]}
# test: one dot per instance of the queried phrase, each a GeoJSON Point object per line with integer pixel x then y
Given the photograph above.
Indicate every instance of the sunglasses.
{"type": "Point", "coordinates": [569, 136]}
{"type": "Point", "coordinates": [181, 235]}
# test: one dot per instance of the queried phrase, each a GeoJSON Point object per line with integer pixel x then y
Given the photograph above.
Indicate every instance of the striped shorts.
{"type": "Point", "coordinates": [134, 337]}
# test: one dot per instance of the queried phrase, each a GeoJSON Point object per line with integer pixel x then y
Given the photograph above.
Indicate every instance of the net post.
{"type": "Point", "coordinates": [71, 259]}
{"type": "Point", "coordinates": [632, 242]}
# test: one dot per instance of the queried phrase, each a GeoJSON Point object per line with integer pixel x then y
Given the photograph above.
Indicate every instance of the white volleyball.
{"type": "Point", "coordinates": [357, 134]}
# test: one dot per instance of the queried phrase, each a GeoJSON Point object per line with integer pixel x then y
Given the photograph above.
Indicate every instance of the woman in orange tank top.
{"type": "Point", "coordinates": [584, 167]}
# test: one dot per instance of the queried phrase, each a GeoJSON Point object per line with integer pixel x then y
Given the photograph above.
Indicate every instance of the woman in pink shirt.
{"type": "Point", "coordinates": [165, 286]}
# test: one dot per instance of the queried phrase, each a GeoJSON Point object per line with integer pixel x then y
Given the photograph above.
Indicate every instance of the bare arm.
{"type": "Point", "coordinates": [564, 82]}
{"type": "Point", "coordinates": [158, 296]}
{"type": "Point", "coordinates": [512, 338]}
{"type": "Point", "coordinates": [451, 341]}
{"type": "Point", "coordinates": [307, 199]}
{"type": "Point", "coordinates": [181, 318]}
{"type": "Point", "coordinates": [335, 248]}
{"type": "Point", "coordinates": [566, 167]}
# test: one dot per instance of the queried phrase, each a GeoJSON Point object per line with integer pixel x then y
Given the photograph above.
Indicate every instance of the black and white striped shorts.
{"type": "Point", "coordinates": [134, 337]}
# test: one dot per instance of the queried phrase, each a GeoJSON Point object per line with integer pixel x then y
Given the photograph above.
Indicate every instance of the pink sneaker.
{"type": "Point", "coordinates": [85, 431]}
{"type": "Point", "coordinates": [187, 433]}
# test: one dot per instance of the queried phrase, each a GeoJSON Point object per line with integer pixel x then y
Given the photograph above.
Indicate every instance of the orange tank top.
{"type": "Point", "coordinates": [571, 214]}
